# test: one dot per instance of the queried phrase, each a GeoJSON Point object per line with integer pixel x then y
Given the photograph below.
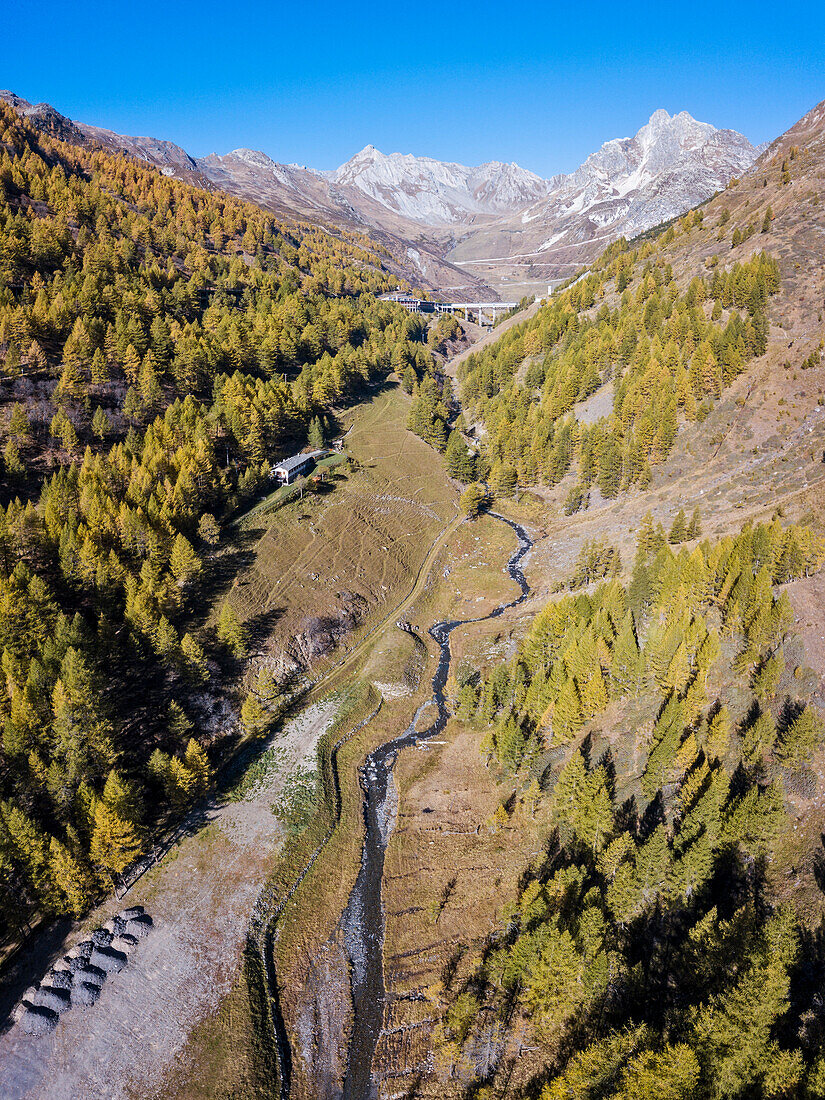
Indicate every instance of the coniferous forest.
{"type": "Point", "coordinates": [646, 954]}
{"type": "Point", "coordinates": [661, 721]}
{"type": "Point", "coordinates": [160, 345]}
{"type": "Point", "coordinates": [646, 712]}
{"type": "Point", "coordinates": [668, 354]}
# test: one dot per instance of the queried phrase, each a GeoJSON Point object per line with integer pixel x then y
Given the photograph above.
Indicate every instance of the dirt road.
{"type": "Point", "coordinates": [200, 898]}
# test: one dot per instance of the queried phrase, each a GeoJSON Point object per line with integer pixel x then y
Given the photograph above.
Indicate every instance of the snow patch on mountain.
{"type": "Point", "coordinates": [671, 164]}
{"type": "Point", "coordinates": [632, 183]}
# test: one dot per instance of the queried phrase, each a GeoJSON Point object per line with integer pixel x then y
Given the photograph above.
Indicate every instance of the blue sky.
{"type": "Point", "coordinates": [543, 84]}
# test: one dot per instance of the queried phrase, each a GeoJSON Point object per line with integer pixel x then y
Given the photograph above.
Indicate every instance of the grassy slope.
{"type": "Point", "coordinates": [357, 542]}
{"type": "Point", "coordinates": [399, 496]}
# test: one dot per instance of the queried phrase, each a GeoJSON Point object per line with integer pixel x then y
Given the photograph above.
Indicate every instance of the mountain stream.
{"type": "Point", "coordinates": [363, 918]}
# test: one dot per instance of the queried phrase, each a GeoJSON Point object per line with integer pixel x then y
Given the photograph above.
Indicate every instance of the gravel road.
{"type": "Point", "coordinates": [200, 897]}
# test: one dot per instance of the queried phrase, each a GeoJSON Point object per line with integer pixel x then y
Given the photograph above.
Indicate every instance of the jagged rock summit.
{"type": "Point", "coordinates": [627, 186]}
{"type": "Point", "coordinates": [436, 192]}
{"type": "Point", "coordinates": [691, 159]}
{"type": "Point", "coordinates": [676, 158]}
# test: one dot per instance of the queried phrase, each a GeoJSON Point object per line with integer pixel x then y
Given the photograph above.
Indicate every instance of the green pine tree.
{"type": "Point", "coordinates": [679, 531]}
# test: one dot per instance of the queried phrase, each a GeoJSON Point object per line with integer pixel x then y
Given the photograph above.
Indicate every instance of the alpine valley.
{"type": "Point", "coordinates": [456, 228]}
{"type": "Point", "coordinates": [394, 705]}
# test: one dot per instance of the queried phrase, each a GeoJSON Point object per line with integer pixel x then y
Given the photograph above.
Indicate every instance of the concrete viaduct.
{"type": "Point", "coordinates": [485, 311]}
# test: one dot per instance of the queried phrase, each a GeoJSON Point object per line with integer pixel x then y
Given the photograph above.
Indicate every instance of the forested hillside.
{"type": "Point", "coordinates": [649, 952]}
{"type": "Point", "coordinates": [160, 346]}
{"type": "Point", "coordinates": [668, 354]}
{"type": "Point", "coordinates": [658, 735]}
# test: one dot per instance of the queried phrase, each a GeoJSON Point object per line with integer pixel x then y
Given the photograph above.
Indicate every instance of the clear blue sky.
{"type": "Point", "coordinates": [543, 84]}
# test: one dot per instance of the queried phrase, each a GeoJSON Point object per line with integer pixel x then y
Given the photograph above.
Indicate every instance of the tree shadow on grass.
{"type": "Point", "coordinates": [259, 626]}
{"type": "Point", "coordinates": [819, 864]}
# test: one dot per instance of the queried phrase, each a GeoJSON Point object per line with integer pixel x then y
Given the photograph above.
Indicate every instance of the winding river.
{"type": "Point", "coordinates": [363, 919]}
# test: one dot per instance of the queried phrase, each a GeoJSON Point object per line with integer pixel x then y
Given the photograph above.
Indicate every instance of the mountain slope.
{"type": "Point", "coordinates": [433, 192]}
{"type": "Point", "coordinates": [627, 187]}
{"type": "Point", "coordinates": [498, 222]}
{"type": "Point", "coordinates": [290, 192]}
{"type": "Point", "coordinates": [653, 746]}
{"type": "Point", "coordinates": [466, 229]}
{"type": "Point", "coordinates": [774, 210]}
{"type": "Point", "coordinates": [159, 328]}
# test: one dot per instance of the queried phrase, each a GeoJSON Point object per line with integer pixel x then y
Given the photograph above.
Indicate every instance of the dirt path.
{"type": "Point", "coordinates": [202, 893]}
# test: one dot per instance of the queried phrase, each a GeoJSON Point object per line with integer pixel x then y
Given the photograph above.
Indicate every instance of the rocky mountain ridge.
{"type": "Point", "coordinates": [469, 229]}
{"type": "Point", "coordinates": [435, 192]}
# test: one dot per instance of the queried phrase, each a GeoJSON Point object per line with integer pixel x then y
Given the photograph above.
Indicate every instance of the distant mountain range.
{"type": "Point", "coordinates": [462, 228]}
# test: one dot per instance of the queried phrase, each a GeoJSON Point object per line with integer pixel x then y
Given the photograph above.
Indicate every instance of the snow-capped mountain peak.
{"type": "Point", "coordinates": [437, 192]}
{"type": "Point", "coordinates": [671, 163]}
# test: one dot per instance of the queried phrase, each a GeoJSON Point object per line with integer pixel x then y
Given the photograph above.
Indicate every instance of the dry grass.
{"type": "Point", "coordinates": [312, 968]}
{"type": "Point", "coordinates": [448, 875]}
{"type": "Point", "coordinates": [355, 544]}
{"type": "Point", "coordinates": [400, 500]}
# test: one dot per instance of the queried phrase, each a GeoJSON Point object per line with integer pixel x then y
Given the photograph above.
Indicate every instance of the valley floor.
{"type": "Point", "coordinates": [200, 898]}
{"type": "Point", "coordinates": [179, 1020]}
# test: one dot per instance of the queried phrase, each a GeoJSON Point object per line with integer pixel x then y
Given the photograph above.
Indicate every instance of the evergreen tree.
{"type": "Point", "coordinates": [802, 737]}
{"type": "Point", "coordinates": [679, 531]}
{"type": "Point", "coordinates": [510, 744]}
{"type": "Point", "coordinates": [30, 845]}
{"type": "Point", "coordinates": [19, 425]}
{"type": "Point", "coordinates": [71, 878]}
{"type": "Point", "coordinates": [758, 737]}
{"type": "Point", "coordinates": [667, 736]}
{"type": "Point", "coordinates": [567, 714]}
{"type": "Point", "coordinates": [100, 423]}
{"type": "Point", "coordinates": [115, 841]}
{"type": "Point", "coordinates": [766, 678]}
{"type": "Point", "coordinates": [197, 762]}
{"type": "Point", "coordinates": [12, 462]}
{"type": "Point", "coordinates": [503, 480]}
{"type": "Point", "coordinates": [672, 1074]}
{"type": "Point", "coordinates": [231, 633]}
{"type": "Point", "coordinates": [694, 528]}
{"type": "Point", "coordinates": [123, 797]}
{"type": "Point", "coordinates": [473, 500]}
{"type": "Point", "coordinates": [184, 563]}
{"type": "Point", "coordinates": [593, 694]}
{"type": "Point", "coordinates": [255, 718]}
{"type": "Point", "coordinates": [627, 662]}
{"type": "Point", "coordinates": [717, 738]}
{"type": "Point", "coordinates": [315, 434]}
{"type": "Point", "coordinates": [208, 530]}
{"type": "Point", "coordinates": [458, 461]}
{"type": "Point", "coordinates": [178, 722]}
{"type": "Point", "coordinates": [194, 659]}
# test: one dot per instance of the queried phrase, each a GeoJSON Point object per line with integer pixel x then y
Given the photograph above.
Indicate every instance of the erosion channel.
{"type": "Point", "coordinates": [363, 919]}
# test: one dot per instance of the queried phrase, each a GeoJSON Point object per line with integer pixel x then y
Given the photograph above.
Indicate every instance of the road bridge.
{"type": "Point", "coordinates": [485, 312]}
